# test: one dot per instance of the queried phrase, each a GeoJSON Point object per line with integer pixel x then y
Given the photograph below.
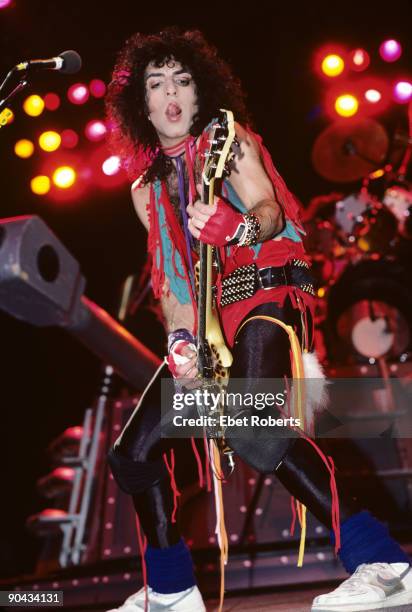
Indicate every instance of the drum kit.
{"type": "Point", "coordinates": [360, 244]}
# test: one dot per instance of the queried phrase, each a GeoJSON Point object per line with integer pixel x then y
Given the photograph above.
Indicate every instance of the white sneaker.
{"type": "Point", "coordinates": [189, 600]}
{"type": "Point", "coordinates": [373, 586]}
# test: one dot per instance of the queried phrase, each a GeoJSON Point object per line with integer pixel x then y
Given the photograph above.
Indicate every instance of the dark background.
{"type": "Point", "coordinates": [47, 379]}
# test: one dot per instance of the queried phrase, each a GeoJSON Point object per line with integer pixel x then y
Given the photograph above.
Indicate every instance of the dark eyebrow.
{"type": "Point", "coordinates": [160, 74]}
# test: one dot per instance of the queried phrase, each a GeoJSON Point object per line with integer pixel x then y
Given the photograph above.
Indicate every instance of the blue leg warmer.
{"type": "Point", "coordinates": [169, 570]}
{"type": "Point", "coordinates": [366, 540]}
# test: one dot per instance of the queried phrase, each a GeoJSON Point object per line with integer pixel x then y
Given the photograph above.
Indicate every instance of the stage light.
{"type": "Point", "coordinates": [402, 92]}
{"type": "Point", "coordinates": [359, 59]}
{"type": "Point", "coordinates": [97, 88]}
{"type": "Point", "coordinates": [377, 174]}
{"type": "Point", "coordinates": [4, 3]}
{"type": "Point", "coordinates": [95, 130]}
{"type": "Point", "coordinates": [24, 148]}
{"type": "Point", "coordinates": [69, 139]}
{"type": "Point", "coordinates": [33, 105]}
{"type": "Point", "coordinates": [332, 65]}
{"type": "Point", "coordinates": [40, 185]}
{"type": "Point", "coordinates": [6, 116]}
{"type": "Point", "coordinates": [390, 50]}
{"type": "Point", "coordinates": [51, 101]}
{"type": "Point", "coordinates": [64, 177]}
{"type": "Point", "coordinates": [50, 141]}
{"type": "Point", "coordinates": [346, 105]}
{"type": "Point", "coordinates": [373, 96]}
{"type": "Point", "coordinates": [78, 93]}
{"type": "Point", "coordinates": [111, 165]}
{"type": "Point", "coordinates": [106, 169]}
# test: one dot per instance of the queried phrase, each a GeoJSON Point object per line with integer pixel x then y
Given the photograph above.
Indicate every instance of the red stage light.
{"type": "Point", "coordinates": [78, 93]}
{"type": "Point", "coordinates": [97, 88]}
{"type": "Point", "coordinates": [95, 130]}
{"type": "Point", "coordinates": [65, 473]}
{"type": "Point", "coordinates": [69, 139]}
{"type": "Point", "coordinates": [51, 101]}
{"type": "Point", "coordinates": [4, 3]}
{"type": "Point", "coordinates": [359, 60]}
{"type": "Point", "coordinates": [390, 50]}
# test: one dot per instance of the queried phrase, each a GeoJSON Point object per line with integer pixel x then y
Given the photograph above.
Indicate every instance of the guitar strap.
{"type": "Point", "coordinates": [298, 411]}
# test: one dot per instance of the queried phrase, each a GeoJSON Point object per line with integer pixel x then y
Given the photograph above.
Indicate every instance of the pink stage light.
{"type": "Point", "coordinates": [390, 50]}
{"type": "Point", "coordinates": [95, 130]}
{"type": "Point", "coordinates": [4, 3]}
{"type": "Point", "coordinates": [97, 88]}
{"type": "Point", "coordinates": [69, 139]}
{"type": "Point", "coordinates": [51, 101]}
{"type": "Point", "coordinates": [402, 92]}
{"type": "Point", "coordinates": [111, 165]}
{"type": "Point", "coordinates": [78, 93]}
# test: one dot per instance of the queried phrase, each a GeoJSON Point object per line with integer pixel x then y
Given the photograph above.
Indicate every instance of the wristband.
{"type": "Point", "coordinates": [251, 234]}
{"type": "Point", "coordinates": [179, 334]}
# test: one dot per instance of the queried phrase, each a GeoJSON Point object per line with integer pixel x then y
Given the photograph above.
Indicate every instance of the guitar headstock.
{"type": "Point", "coordinates": [219, 154]}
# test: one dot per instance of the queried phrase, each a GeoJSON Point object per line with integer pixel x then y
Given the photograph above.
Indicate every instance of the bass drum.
{"type": "Point", "coordinates": [369, 313]}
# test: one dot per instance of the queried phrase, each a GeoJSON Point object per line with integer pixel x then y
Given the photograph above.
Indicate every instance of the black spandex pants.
{"type": "Point", "coordinates": [262, 350]}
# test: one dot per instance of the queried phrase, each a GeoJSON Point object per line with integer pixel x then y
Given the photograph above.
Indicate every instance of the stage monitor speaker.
{"type": "Point", "coordinates": [40, 281]}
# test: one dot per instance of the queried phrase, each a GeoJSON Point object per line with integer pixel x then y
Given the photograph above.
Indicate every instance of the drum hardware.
{"type": "Point", "coordinates": [346, 152]}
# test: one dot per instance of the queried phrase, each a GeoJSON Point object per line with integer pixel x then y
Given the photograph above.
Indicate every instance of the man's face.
{"type": "Point", "coordinates": [171, 100]}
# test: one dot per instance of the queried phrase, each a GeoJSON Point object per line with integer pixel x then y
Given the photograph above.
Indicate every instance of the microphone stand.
{"type": "Point", "coordinates": [5, 112]}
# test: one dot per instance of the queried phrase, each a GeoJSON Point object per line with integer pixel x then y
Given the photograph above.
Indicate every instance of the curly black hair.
{"type": "Point", "coordinates": [133, 137]}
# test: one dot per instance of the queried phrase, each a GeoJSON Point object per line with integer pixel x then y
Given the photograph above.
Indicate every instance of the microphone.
{"type": "Point", "coordinates": [68, 62]}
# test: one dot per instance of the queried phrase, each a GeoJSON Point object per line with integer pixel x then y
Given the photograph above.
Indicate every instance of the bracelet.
{"type": "Point", "coordinates": [252, 232]}
{"type": "Point", "coordinates": [179, 334]}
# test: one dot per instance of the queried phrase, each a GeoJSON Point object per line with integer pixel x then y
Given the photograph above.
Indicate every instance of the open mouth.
{"type": "Point", "coordinates": [173, 111]}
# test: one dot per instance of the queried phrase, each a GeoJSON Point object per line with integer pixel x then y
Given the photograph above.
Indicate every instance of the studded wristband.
{"type": "Point", "coordinates": [252, 232]}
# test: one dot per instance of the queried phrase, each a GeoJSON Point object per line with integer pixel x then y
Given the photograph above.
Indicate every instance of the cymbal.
{"type": "Point", "coordinates": [348, 150]}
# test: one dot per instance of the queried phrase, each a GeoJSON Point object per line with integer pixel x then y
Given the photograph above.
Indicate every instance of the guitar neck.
{"type": "Point", "coordinates": [205, 295]}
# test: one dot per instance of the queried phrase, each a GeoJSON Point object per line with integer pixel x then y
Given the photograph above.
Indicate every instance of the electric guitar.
{"type": "Point", "coordinates": [214, 358]}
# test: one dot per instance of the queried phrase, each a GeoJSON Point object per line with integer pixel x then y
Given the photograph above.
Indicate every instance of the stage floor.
{"type": "Point", "coordinates": [299, 600]}
{"type": "Point", "coordinates": [287, 601]}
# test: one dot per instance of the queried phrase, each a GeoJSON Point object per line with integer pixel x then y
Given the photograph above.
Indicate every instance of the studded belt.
{"type": "Point", "coordinates": [245, 281]}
